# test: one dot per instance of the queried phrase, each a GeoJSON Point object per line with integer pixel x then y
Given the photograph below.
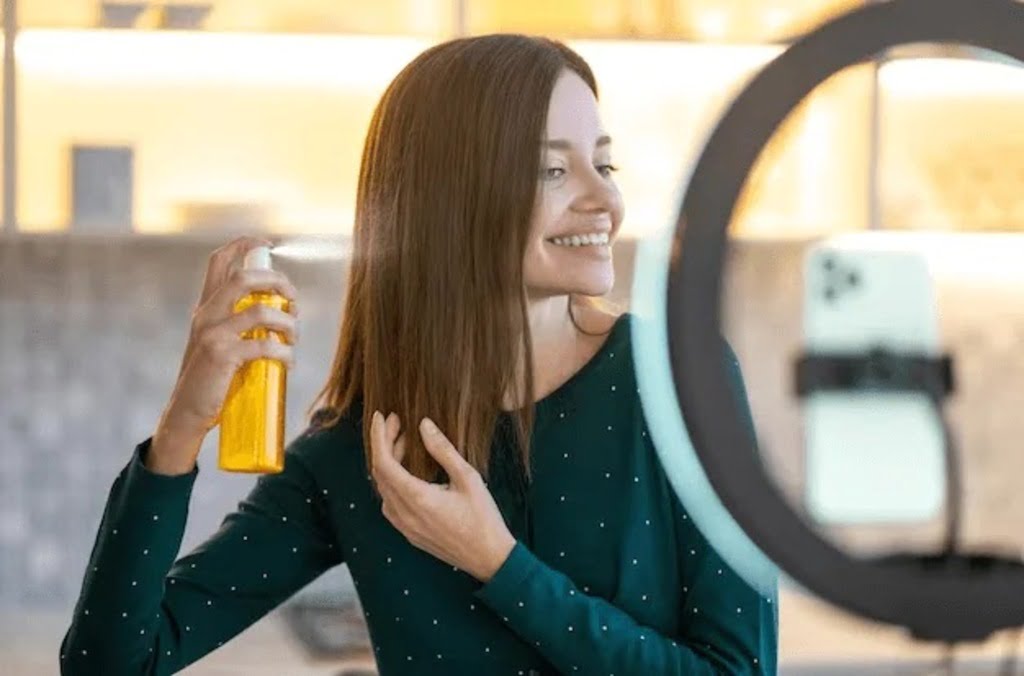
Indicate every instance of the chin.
{"type": "Point", "coordinates": [594, 286]}
{"type": "Point", "coordinates": [588, 279]}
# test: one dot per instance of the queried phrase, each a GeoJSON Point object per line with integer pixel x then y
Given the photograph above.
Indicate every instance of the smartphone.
{"type": "Point", "coordinates": [871, 457]}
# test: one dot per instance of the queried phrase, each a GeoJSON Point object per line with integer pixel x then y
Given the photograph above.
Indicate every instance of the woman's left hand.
{"type": "Point", "coordinates": [459, 522]}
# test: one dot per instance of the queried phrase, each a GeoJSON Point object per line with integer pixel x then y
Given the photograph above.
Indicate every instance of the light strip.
{"type": "Point", "coordinates": [951, 78]}
{"type": "Point", "coordinates": [231, 59]}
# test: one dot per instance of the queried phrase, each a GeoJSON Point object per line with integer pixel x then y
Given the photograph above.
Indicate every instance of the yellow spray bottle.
{"type": "Point", "coordinates": [252, 418]}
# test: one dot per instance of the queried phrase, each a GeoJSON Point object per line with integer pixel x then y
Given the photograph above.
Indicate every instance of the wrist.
{"type": "Point", "coordinates": [496, 558]}
{"type": "Point", "coordinates": [172, 452]}
{"type": "Point", "coordinates": [181, 424]}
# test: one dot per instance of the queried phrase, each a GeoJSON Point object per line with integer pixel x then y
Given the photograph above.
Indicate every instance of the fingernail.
{"type": "Point", "coordinates": [429, 426]}
{"type": "Point", "coordinates": [376, 416]}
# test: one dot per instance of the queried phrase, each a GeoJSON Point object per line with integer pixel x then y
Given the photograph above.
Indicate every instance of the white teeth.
{"type": "Point", "coordinates": [589, 239]}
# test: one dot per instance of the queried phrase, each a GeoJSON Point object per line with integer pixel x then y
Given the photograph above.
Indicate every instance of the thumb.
{"type": "Point", "coordinates": [442, 450]}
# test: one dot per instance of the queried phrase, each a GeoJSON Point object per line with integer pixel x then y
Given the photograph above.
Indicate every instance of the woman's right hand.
{"type": "Point", "coordinates": [216, 349]}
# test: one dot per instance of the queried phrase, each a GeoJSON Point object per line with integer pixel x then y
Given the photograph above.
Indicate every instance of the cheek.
{"type": "Point", "coordinates": [537, 261]}
{"type": "Point", "coordinates": [542, 223]}
{"type": "Point", "coordinates": [544, 213]}
{"type": "Point", "coordinates": [535, 257]}
{"type": "Point", "coordinates": [618, 210]}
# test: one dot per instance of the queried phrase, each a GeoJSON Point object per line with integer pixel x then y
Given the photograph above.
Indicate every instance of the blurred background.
{"type": "Point", "coordinates": [139, 136]}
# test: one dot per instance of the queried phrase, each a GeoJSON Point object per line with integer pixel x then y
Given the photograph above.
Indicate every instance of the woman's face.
{"type": "Point", "coordinates": [579, 209]}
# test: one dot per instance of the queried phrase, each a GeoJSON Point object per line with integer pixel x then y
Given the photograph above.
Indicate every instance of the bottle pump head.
{"type": "Point", "coordinates": [257, 259]}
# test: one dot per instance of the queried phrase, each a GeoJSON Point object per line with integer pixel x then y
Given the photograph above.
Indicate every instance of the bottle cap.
{"type": "Point", "coordinates": [257, 259]}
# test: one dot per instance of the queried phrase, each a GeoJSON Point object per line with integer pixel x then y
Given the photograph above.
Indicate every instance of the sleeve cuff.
{"type": "Point", "coordinates": [144, 479]}
{"type": "Point", "coordinates": [502, 589]}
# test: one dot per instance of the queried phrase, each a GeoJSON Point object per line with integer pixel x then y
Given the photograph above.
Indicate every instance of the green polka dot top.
{"type": "Point", "coordinates": [608, 576]}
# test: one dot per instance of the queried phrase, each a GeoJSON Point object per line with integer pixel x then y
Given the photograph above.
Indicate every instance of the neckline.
{"type": "Point", "coordinates": [598, 358]}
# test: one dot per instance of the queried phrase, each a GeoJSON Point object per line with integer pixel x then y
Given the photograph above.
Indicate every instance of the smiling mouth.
{"type": "Point", "coordinates": [595, 239]}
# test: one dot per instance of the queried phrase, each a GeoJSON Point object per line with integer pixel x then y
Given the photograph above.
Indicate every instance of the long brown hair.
{"type": "Point", "coordinates": [435, 314]}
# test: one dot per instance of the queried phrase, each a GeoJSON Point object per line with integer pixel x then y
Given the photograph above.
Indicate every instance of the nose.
{"type": "Point", "coordinates": [597, 194]}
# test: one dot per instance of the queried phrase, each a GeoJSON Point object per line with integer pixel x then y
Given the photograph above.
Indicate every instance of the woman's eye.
{"type": "Point", "coordinates": [553, 173]}
{"type": "Point", "coordinates": [606, 169]}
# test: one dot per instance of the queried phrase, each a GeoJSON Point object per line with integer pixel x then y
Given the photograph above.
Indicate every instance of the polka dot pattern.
{"type": "Point", "coordinates": [588, 588]}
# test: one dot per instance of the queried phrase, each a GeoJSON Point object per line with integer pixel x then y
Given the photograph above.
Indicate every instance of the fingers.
{"type": "Point", "coordinates": [222, 260]}
{"type": "Point", "coordinates": [251, 350]}
{"type": "Point", "coordinates": [393, 424]}
{"type": "Point", "coordinates": [243, 282]}
{"type": "Point", "coordinates": [400, 448]}
{"type": "Point", "coordinates": [227, 352]}
{"type": "Point", "coordinates": [238, 339]}
{"type": "Point", "coordinates": [261, 316]}
{"type": "Point", "coordinates": [437, 444]}
{"type": "Point", "coordinates": [394, 427]}
{"type": "Point", "coordinates": [386, 468]}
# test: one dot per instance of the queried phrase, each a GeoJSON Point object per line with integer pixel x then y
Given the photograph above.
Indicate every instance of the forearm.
{"type": "Point", "coordinates": [118, 611]}
{"type": "Point", "coordinates": [579, 633]}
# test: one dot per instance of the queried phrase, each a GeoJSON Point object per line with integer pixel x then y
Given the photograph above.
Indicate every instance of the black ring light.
{"type": "Point", "coordinates": [949, 598]}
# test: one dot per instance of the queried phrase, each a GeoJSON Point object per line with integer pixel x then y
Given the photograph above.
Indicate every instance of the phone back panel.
{"type": "Point", "coordinates": [871, 457]}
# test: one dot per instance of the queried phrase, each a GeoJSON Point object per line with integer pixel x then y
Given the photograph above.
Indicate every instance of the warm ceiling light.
{"type": "Point", "coordinates": [713, 24]}
{"type": "Point", "coordinates": [330, 61]}
{"type": "Point", "coordinates": [951, 77]}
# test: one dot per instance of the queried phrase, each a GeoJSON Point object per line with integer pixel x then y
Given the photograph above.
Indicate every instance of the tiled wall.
{"type": "Point", "coordinates": [91, 336]}
{"type": "Point", "coordinates": [92, 332]}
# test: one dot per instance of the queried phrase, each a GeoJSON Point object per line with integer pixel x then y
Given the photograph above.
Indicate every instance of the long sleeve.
{"type": "Point", "coordinates": [723, 616]}
{"type": "Point", "coordinates": [716, 597]}
{"type": "Point", "coordinates": [733, 626]}
{"type": "Point", "coordinates": [724, 625]}
{"type": "Point", "coordinates": [142, 612]}
{"type": "Point", "coordinates": [579, 633]}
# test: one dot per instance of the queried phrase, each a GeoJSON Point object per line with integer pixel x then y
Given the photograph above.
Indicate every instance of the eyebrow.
{"type": "Point", "coordinates": [562, 144]}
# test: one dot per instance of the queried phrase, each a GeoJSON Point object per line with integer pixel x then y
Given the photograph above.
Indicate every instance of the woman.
{"type": "Point", "coordinates": [520, 534]}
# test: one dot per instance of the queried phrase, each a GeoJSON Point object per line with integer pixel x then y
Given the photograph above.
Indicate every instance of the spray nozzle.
{"type": "Point", "coordinates": [257, 258]}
